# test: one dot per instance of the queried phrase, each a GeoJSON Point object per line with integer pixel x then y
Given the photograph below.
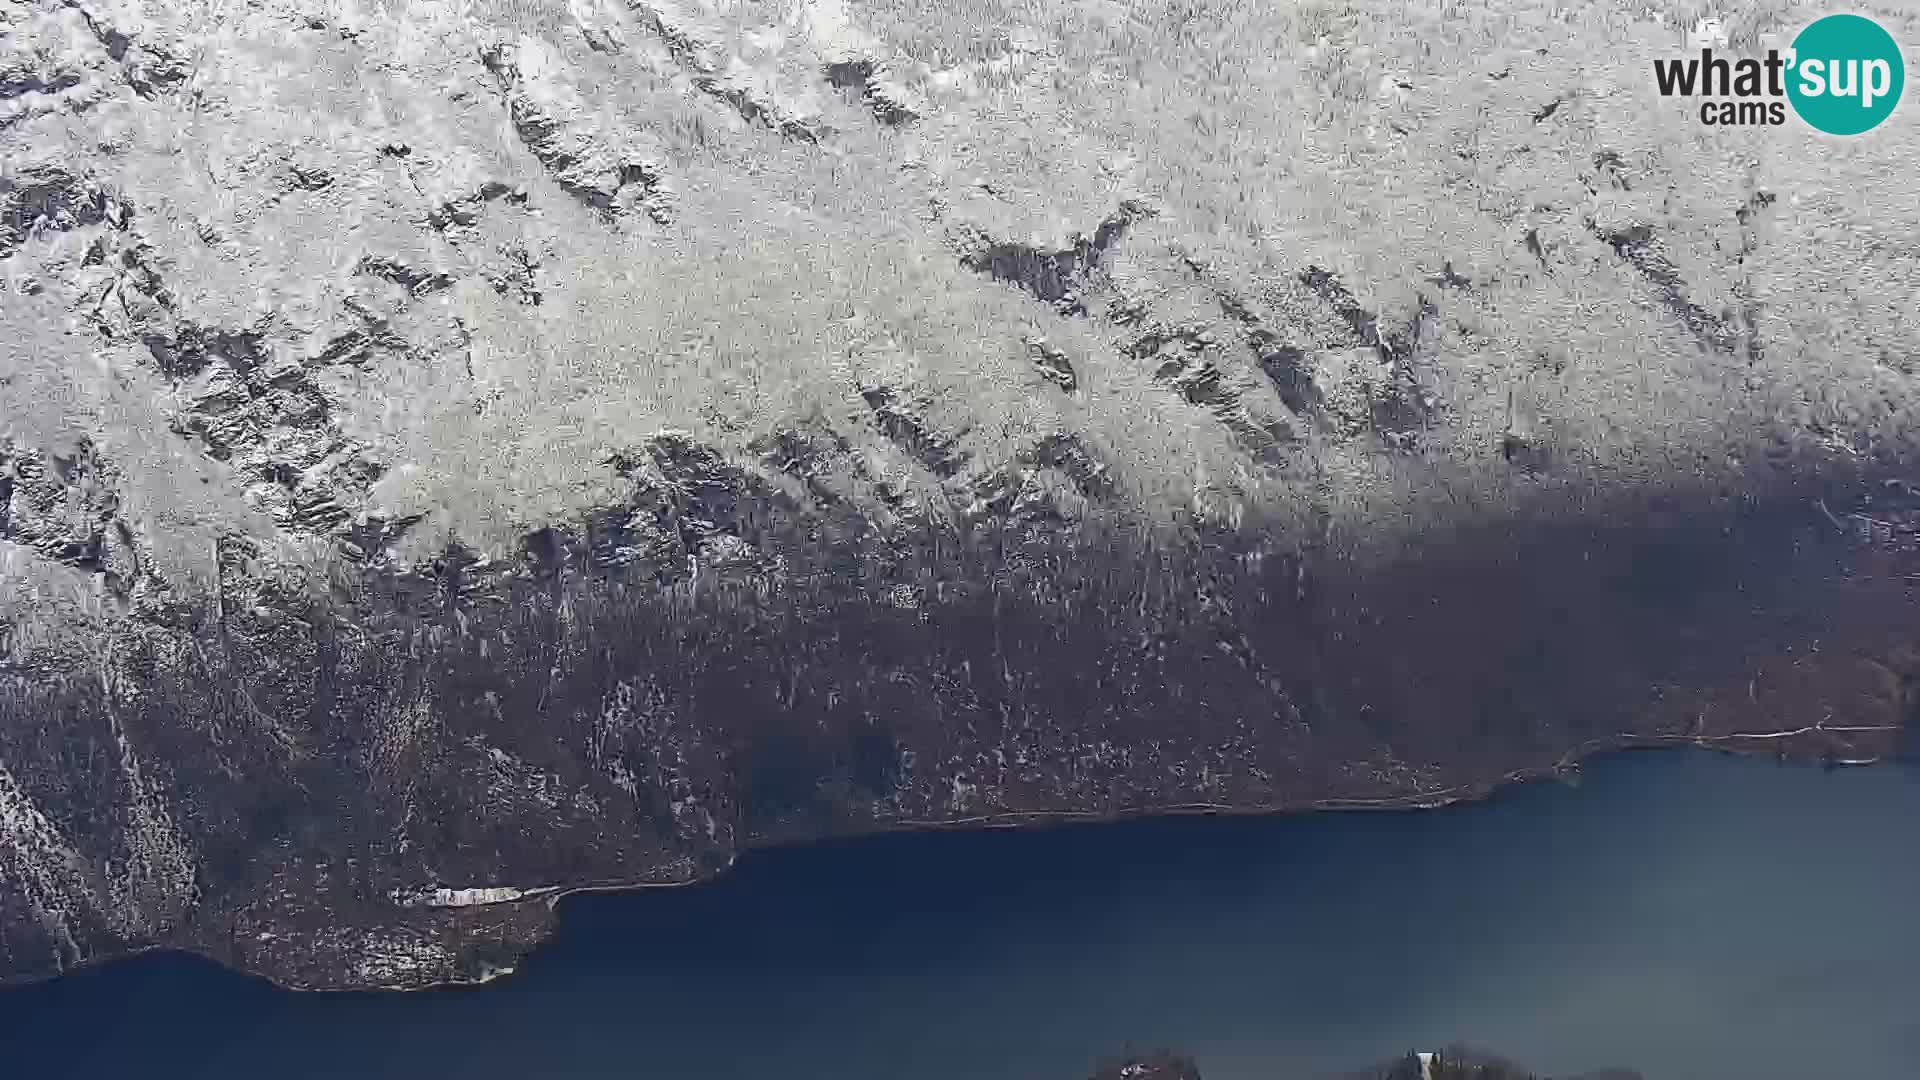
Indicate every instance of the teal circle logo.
{"type": "Point", "coordinates": [1847, 74]}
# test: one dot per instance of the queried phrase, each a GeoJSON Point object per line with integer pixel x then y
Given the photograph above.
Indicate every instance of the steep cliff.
{"type": "Point", "coordinates": [456, 452]}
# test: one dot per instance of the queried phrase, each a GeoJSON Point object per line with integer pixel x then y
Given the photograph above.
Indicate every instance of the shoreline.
{"type": "Point", "coordinates": [1733, 743]}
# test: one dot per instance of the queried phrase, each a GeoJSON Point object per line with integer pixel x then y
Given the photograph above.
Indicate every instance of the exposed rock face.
{"type": "Point", "coordinates": [451, 454]}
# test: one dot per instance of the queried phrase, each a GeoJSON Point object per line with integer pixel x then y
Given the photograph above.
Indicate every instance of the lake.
{"type": "Point", "coordinates": [1688, 914]}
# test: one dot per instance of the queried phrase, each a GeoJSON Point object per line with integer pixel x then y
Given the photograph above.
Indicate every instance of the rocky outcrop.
{"type": "Point", "coordinates": [48, 66]}
{"type": "Point", "coordinates": [900, 422]}
{"type": "Point", "coordinates": [877, 86]}
{"type": "Point", "coordinates": [240, 400]}
{"type": "Point", "coordinates": [1055, 275]}
{"type": "Point", "coordinates": [1637, 246]}
{"type": "Point", "coordinates": [608, 171]}
{"type": "Point", "coordinates": [1053, 364]}
{"type": "Point", "coordinates": [46, 197]}
{"type": "Point", "coordinates": [1191, 361]}
{"type": "Point", "coordinates": [63, 506]}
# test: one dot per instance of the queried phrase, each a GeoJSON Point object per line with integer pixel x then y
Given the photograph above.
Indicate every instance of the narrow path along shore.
{"type": "Point", "coordinates": [1422, 800]}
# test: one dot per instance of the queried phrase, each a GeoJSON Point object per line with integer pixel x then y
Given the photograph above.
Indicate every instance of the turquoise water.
{"type": "Point", "coordinates": [1691, 915]}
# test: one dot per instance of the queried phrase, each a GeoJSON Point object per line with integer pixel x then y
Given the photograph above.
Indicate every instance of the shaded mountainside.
{"type": "Point", "coordinates": [451, 458]}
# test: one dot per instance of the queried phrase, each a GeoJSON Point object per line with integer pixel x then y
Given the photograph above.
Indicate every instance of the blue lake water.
{"type": "Point", "coordinates": [1692, 915]}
